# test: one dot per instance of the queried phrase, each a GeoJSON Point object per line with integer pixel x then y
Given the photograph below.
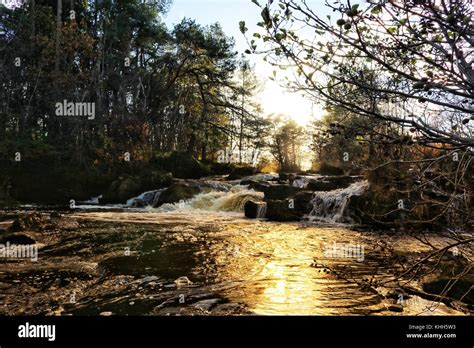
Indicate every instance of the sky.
{"type": "Point", "coordinates": [228, 13]}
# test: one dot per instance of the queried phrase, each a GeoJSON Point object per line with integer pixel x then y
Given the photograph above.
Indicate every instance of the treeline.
{"type": "Point", "coordinates": [397, 82]}
{"type": "Point", "coordinates": [100, 86]}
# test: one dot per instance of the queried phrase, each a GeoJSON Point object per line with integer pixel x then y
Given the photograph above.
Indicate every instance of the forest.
{"type": "Point", "coordinates": [105, 109]}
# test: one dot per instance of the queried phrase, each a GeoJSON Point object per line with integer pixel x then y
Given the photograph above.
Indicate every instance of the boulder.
{"type": "Point", "coordinates": [254, 185]}
{"type": "Point", "coordinates": [177, 192]}
{"type": "Point", "coordinates": [280, 192]}
{"type": "Point", "coordinates": [29, 222]}
{"type": "Point", "coordinates": [280, 210]}
{"type": "Point", "coordinates": [303, 205]}
{"type": "Point", "coordinates": [330, 183]}
{"type": "Point", "coordinates": [286, 177]}
{"type": "Point", "coordinates": [122, 189]}
{"type": "Point", "coordinates": [255, 210]}
{"type": "Point", "coordinates": [18, 239]}
{"type": "Point", "coordinates": [241, 172]}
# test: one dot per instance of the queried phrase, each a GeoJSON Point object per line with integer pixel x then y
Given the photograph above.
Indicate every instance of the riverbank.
{"type": "Point", "coordinates": [207, 263]}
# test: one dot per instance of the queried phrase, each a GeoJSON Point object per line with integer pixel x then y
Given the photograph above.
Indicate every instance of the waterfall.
{"type": "Point", "coordinates": [330, 206]}
{"type": "Point", "coordinates": [232, 200]}
{"type": "Point", "coordinates": [149, 198]}
{"type": "Point", "coordinates": [262, 211]}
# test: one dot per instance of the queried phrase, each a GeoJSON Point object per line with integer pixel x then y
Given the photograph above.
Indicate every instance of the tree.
{"type": "Point", "coordinates": [287, 144]}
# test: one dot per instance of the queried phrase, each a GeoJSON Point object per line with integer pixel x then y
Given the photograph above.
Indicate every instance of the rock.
{"type": "Point", "coordinates": [257, 186]}
{"type": "Point", "coordinates": [395, 308]}
{"type": "Point", "coordinates": [177, 192]}
{"type": "Point", "coordinates": [29, 222]}
{"type": "Point", "coordinates": [279, 210]}
{"type": "Point", "coordinates": [241, 172]}
{"type": "Point", "coordinates": [149, 279]}
{"type": "Point", "coordinates": [280, 192]}
{"type": "Point", "coordinates": [122, 189]}
{"type": "Point", "coordinates": [106, 314]}
{"type": "Point", "coordinates": [286, 177]}
{"type": "Point", "coordinates": [182, 281]}
{"type": "Point", "coordinates": [55, 215]}
{"type": "Point", "coordinates": [303, 202]}
{"type": "Point", "coordinates": [18, 239]}
{"type": "Point", "coordinates": [255, 210]}
{"type": "Point", "coordinates": [330, 183]}
{"type": "Point", "coordinates": [229, 309]}
{"type": "Point", "coordinates": [206, 304]}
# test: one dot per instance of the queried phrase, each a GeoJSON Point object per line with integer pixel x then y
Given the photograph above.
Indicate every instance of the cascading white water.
{"type": "Point", "coordinates": [149, 198]}
{"type": "Point", "coordinates": [330, 206]}
{"type": "Point", "coordinates": [261, 211]}
{"type": "Point", "coordinates": [232, 200]}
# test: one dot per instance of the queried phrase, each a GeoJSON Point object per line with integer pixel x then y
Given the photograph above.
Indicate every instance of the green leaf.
{"type": "Point", "coordinates": [256, 3]}
{"type": "Point", "coordinates": [243, 28]}
{"type": "Point", "coordinates": [266, 16]}
{"type": "Point", "coordinates": [376, 10]}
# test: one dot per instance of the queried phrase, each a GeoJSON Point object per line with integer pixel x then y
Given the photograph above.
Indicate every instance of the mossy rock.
{"type": "Point", "coordinates": [241, 172]}
{"type": "Point", "coordinates": [177, 192]}
{"type": "Point", "coordinates": [29, 222]}
{"type": "Point", "coordinates": [122, 189]}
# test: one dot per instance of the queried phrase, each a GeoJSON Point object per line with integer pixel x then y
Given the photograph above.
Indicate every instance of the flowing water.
{"type": "Point", "coordinates": [204, 257]}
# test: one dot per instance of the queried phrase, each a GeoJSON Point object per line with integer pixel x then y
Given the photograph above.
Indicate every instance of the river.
{"type": "Point", "coordinates": [204, 257]}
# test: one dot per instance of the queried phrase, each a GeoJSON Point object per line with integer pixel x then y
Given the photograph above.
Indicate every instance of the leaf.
{"type": "Point", "coordinates": [392, 30]}
{"type": "Point", "coordinates": [243, 28]}
{"type": "Point", "coordinates": [376, 10]}
{"type": "Point", "coordinates": [256, 3]}
{"type": "Point", "coordinates": [266, 16]}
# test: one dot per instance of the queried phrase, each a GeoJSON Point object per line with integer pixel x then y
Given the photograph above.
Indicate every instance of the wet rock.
{"type": "Point", "coordinates": [258, 186]}
{"type": "Point", "coordinates": [241, 172]}
{"type": "Point", "coordinates": [281, 210]}
{"type": "Point", "coordinates": [330, 183]}
{"type": "Point", "coordinates": [229, 309]}
{"type": "Point", "coordinates": [55, 215]}
{"type": "Point", "coordinates": [18, 239]}
{"type": "Point", "coordinates": [255, 210]}
{"type": "Point", "coordinates": [395, 308]}
{"type": "Point", "coordinates": [122, 189]}
{"type": "Point", "coordinates": [280, 192]}
{"type": "Point", "coordinates": [29, 222]}
{"type": "Point", "coordinates": [303, 202]}
{"type": "Point", "coordinates": [149, 279]}
{"type": "Point", "coordinates": [206, 304]}
{"type": "Point", "coordinates": [177, 192]}
{"type": "Point", "coordinates": [286, 177]}
{"type": "Point", "coordinates": [182, 281]}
